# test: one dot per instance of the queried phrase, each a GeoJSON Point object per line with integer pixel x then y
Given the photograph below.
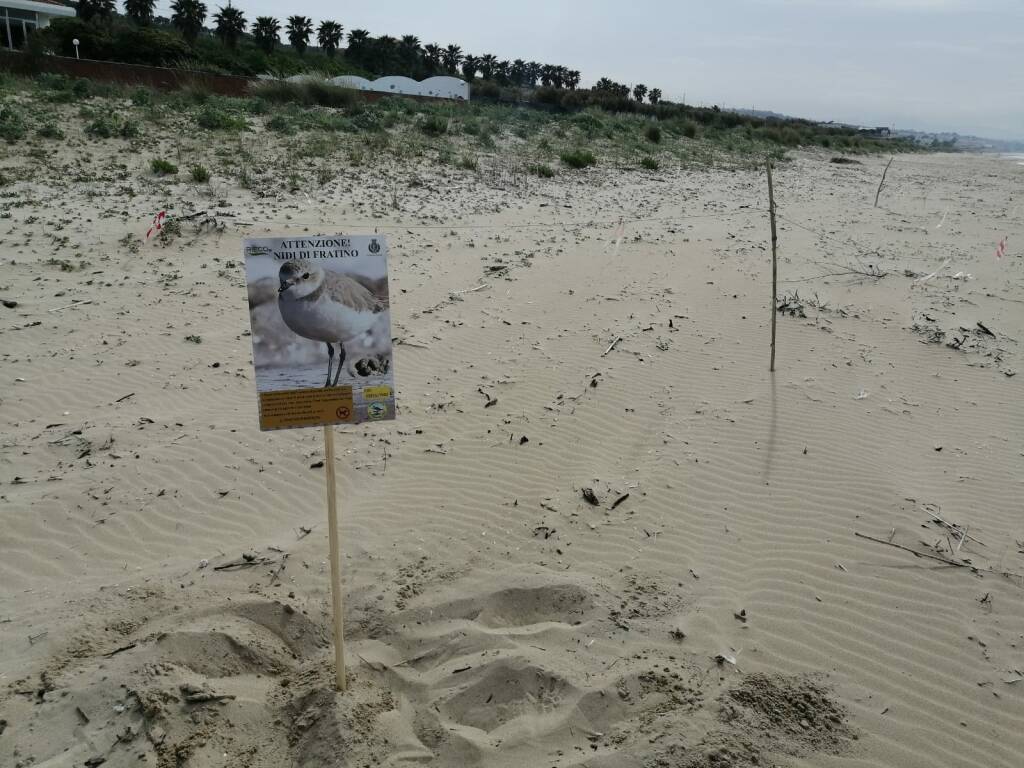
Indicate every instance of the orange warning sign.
{"type": "Point", "coordinates": [287, 409]}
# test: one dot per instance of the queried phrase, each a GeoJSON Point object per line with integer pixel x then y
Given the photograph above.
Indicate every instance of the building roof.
{"type": "Point", "coordinates": [50, 7]}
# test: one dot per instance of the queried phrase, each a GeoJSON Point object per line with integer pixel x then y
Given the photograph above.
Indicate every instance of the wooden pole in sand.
{"type": "Point", "coordinates": [775, 270]}
{"type": "Point", "coordinates": [332, 523]}
{"type": "Point", "coordinates": [879, 191]}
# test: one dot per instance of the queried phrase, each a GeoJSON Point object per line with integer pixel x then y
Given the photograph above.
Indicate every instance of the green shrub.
{"type": "Point", "coordinates": [578, 158]}
{"type": "Point", "coordinates": [539, 169]}
{"type": "Point", "coordinates": [309, 91]}
{"type": "Point", "coordinates": [327, 95]}
{"type": "Point", "coordinates": [50, 131]}
{"type": "Point", "coordinates": [162, 167]}
{"type": "Point", "coordinates": [280, 124]}
{"type": "Point", "coordinates": [653, 134]}
{"type": "Point", "coordinates": [215, 119]}
{"type": "Point", "coordinates": [434, 126]}
{"type": "Point", "coordinates": [199, 173]}
{"type": "Point", "coordinates": [467, 163]}
{"type": "Point", "coordinates": [142, 97]}
{"type": "Point", "coordinates": [649, 163]}
{"type": "Point", "coordinates": [129, 129]}
{"type": "Point", "coordinates": [102, 127]}
{"type": "Point", "coordinates": [12, 125]}
{"type": "Point", "coordinates": [589, 123]}
{"type": "Point", "coordinates": [690, 129]}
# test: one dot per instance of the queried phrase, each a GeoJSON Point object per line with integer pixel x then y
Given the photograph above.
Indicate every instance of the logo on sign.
{"type": "Point", "coordinates": [376, 410]}
{"type": "Point", "coordinates": [343, 412]}
{"type": "Point", "coordinates": [374, 246]}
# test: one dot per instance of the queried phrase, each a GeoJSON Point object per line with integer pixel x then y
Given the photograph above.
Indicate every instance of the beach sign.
{"type": "Point", "coordinates": [321, 329]}
{"type": "Point", "coordinates": [320, 316]}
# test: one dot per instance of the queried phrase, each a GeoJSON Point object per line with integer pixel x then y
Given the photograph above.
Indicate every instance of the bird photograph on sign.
{"type": "Point", "coordinates": [321, 329]}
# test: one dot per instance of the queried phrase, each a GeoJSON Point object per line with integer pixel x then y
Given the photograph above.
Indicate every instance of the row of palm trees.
{"type": "Point", "coordinates": [639, 91]}
{"type": "Point", "coordinates": [383, 55]}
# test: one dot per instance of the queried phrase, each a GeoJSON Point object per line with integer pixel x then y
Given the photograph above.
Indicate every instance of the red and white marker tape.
{"type": "Point", "coordinates": [1001, 248]}
{"type": "Point", "coordinates": [158, 223]}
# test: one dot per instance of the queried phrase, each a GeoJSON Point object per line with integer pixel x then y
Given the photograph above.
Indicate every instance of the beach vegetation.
{"type": "Point", "coordinates": [578, 158]}
{"type": "Point", "coordinates": [199, 173]}
{"type": "Point", "coordinates": [162, 167]}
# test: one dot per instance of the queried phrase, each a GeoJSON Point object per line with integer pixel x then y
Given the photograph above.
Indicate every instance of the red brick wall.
{"type": "Point", "coordinates": [131, 74]}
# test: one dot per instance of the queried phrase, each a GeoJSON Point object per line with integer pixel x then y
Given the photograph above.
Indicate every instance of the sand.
{"type": "Point", "coordinates": [713, 608]}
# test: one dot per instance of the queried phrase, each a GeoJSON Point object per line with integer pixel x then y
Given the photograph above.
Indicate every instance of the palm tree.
{"type": "Point", "coordinates": [502, 71]}
{"type": "Point", "coordinates": [547, 75]}
{"type": "Point", "coordinates": [358, 45]}
{"type": "Point", "coordinates": [409, 53]}
{"type": "Point", "coordinates": [139, 11]}
{"type": "Point", "coordinates": [533, 70]}
{"type": "Point", "coordinates": [383, 54]}
{"type": "Point", "coordinates": [432, 55]}
{"type": "Point", "coordinates": [230, 25]}
{"type": "Point", "coordinates": [572, 79]}
{"type": "Point", "coordinates": [265, 32]}
{"type": "Point", "coordinates": [639, 91]}
{"type": "Point", "coordinates": [95, 9]}
{"type": "Point", "coordinates": [188, 16]}
{"type": "Point", "coordinates": [298, 30]}
{"type": "Point", "coordinates": [452, 57]}
{"type": "Point", "coordinates": [488, 62]}
{"type": "Point", "coordinates": [517, 72]}
{"type": "Point", "coordinates": [329, 36]}
{"type": "Point", "coordinates": [655, 95]}
{"type": "Point", "coordinates": [470, 64]}
{"type": "Point", "coordinates": [559, 77]}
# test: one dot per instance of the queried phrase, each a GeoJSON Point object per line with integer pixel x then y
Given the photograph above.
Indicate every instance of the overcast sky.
{"type": "Point", "coordinates": [927, 64]}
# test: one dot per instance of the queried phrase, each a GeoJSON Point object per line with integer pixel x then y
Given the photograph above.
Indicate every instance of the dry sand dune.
{"type": "Point", "coordinates": [712, 608]}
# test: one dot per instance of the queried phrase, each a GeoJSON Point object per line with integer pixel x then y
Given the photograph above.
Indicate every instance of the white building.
{"type": "Point", "coordinates": [20, 18]}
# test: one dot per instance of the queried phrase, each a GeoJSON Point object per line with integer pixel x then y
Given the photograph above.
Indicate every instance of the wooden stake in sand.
{"type": "Point", "coordinates": [883, 180]}
{"type": "Point", "coordinates": [332, 522]}
{"type": "Point", "coordinates": [775, 270]}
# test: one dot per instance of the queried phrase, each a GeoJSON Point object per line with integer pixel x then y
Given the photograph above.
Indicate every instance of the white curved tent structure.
{"type": "Point", "coordinates": [436, 87]}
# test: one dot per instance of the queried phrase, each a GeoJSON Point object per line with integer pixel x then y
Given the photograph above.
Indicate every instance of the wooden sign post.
{"type": "Point", "coordinates": [332, 522]}
{"type": "Point", "coordinates": [775, 272]}
{"type": "Point", "coordinates": [320, 303]}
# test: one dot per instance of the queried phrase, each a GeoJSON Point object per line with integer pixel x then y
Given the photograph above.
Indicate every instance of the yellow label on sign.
{"type": "Point", "coordinates": [376, 393]}
{"type": "Point", "coordinates": [306, 407]}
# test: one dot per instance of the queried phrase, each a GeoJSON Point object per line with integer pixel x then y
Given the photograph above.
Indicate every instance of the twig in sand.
{"type": "Point", "coordinates": [69, 306]}
{"type": "Point", "coordinates": [120, 650]}
{"type": "Point", "coordinates": [244, 563]}
{"type": "Point", "coordinates": [877, 193]}
{"type": "Point", "coordinates": [914, 552]}
{"type": "Point", "coordinates": [611, 346]}
{"type": "Point", "coordinates": [956, 529]}
{"type": "Point", "coordinates": [471, 290]}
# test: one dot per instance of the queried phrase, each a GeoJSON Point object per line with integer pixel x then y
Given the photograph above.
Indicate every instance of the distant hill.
{"type": "Point", "coordinates": [966, 143]}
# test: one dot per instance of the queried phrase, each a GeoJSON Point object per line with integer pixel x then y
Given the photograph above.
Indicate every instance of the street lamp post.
{"type": "Point", "coordinates": [75, 43]}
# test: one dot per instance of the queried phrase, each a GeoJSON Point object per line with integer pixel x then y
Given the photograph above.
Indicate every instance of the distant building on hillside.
{"type": "Point", "coordinates": [20, 18]}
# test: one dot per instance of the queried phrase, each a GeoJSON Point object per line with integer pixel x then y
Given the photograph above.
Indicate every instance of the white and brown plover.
{"type": "Point", "coordinates": [335, 308]}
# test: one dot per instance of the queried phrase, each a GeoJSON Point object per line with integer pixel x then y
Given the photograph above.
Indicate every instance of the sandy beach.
{"type": "Point", "coordinates": [643, 554]}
